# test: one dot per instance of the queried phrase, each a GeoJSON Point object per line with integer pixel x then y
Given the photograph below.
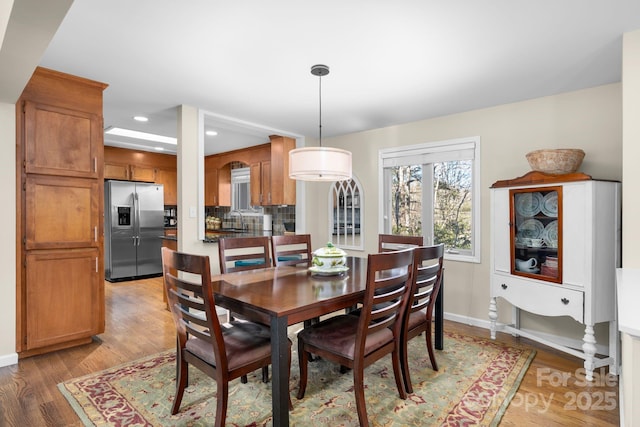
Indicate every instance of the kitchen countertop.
{"type": "Point", "coordinates": [213, 237]}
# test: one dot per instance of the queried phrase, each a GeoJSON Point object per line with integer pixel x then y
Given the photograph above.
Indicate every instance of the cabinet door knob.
{"type": "Point", "coordinates": [565, 301]}
{"type": "Point", "coordinates": [504, 286]}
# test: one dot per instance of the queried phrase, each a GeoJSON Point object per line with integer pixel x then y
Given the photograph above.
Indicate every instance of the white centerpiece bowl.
{"type": "Point", "coordinates": [329, 259]}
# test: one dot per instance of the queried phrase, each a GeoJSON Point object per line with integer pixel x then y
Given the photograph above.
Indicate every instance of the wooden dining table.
{"type": "Point", "coordinates": [283, 296]}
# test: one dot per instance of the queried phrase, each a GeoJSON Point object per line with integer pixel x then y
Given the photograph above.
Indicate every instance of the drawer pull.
{"type": "Point", "coordinates": [565, 301]}
{"type": "Point", "coordinates": [504, 286]}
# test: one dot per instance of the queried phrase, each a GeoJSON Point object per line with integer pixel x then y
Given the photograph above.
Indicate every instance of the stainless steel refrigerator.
{"type": "Point", "coordinates": [133, 226]}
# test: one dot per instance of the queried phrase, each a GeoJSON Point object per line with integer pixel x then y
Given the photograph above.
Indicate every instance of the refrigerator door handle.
{"type": "Point", "coordinates": [136, 209]}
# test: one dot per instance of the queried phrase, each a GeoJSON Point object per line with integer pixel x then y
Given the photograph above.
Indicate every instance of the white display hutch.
{"type": "Point", "coordinates": [573, 272]}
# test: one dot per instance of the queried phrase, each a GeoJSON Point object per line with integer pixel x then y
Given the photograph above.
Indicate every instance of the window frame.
{"type": "Point", "coordinates": [360, 206]}
{"type": "Point", "coordinates": [467, 148]}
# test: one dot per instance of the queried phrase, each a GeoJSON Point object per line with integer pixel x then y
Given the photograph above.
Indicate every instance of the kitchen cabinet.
{"type": "Point", "coordinates": [211, 187]}
{"type": "Point", "coordinates": [64, 290]}
{"type": "Point", "coordinates": [126, 172]}
{"type": "Point", "coordinates": [116, 171]}
{"type": "Point", "coordinates": [61, 212]}
{"type": "Point", "coordinates": [217, 184]}
{"type": "Point", "coordinates": [270, 182]}
{"type": "Point", "coordinates": [282, 189]}
{"type": "Point", "coordinates": [169, 180]}
{"type": "Point", "coordinates": [224, 185]}
{"type": "Point", "coordinates": [60, 158]}
{"type": "Point", "coordinates": [260, 185]}
{"type": "Point", "coordinates": [133, 165]}
{"type": "Point", "coordinates": [555, 248]}
{"type": "Point", "coordinates": [269, 170]}
{"type": "Point", "coordinates": [56, 140]}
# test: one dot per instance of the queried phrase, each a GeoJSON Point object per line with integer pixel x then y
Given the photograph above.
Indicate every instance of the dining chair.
{"type": "Point", "coordinates": [393, 242]}
{"type": "Point", "coordinates": [291, 249]}
{"type": "Point", "coordinates": [243, 253]}
{"type": "Point", "coordinates": [294, 250]}
{"type": "Point", "coordinates": [427, 278]}
{"type": "Point", "coordinates": [222, 353]}
{"type": "Point", "coordinates": [358, 341]}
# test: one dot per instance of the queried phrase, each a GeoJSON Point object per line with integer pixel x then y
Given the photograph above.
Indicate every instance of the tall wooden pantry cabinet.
{"type": "Point", "coordinates": [60, 155]}
{"type": "Point", "coordinates": [555, 247]}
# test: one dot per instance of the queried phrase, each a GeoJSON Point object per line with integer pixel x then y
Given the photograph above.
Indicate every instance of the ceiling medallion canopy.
{"type": "Point", "coordinates": [319, 163]}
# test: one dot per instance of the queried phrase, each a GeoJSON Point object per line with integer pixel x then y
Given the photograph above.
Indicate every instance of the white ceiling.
{"type": "Point", "coordinates": [391, 62]}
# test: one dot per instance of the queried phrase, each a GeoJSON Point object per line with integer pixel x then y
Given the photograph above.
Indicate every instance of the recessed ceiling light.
{"type": "Point", "coordinates": [141, 119]}
{"type": "Point", "coordinates": [141, 135]}
{"type": "Point", "coordinates": [159, 148]}
{"type": "Point", "coordinates": [211, 133]}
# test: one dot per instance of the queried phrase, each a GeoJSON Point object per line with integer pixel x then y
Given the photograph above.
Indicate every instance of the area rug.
{"type": "Point", "coordinates": [476, 381]}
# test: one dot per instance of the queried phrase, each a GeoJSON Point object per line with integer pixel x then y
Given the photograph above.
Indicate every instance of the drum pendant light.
{"type": "Point", "coordinates": [319, 163]}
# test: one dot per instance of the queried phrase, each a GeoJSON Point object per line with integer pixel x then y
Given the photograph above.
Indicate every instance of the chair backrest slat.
{"type": "Point", "coordinates": [389, 283]}
{"type": "Point", "coordinates": [291, 249]}
{"type": "Point", "coordinates": [394, 242]}
{"type": "Point", "coordinates": [243, 253]}
{"type": "Point", "coordinates": [427, 276]}
{"type": "Point", "coordinates": [192, 304]}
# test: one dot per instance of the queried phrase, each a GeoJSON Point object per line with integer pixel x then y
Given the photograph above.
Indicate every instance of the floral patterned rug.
{"type": "Point", "coordinates": [476, 381]}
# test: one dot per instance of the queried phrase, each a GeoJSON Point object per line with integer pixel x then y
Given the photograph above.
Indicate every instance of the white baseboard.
{"type": "Point", "coordinates": [486, 324]}
{"type": "Point", "coordinates": [8, 359]}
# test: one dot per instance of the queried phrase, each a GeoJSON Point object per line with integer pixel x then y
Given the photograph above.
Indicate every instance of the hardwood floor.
{"type": "Point", "coordinates": [552, 392]}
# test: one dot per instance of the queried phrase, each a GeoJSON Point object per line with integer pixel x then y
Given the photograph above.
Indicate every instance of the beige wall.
{"type": "Point", "coordinates": [630, 378]}
{"type": "Point", "coordinates": [589, 119]}
{"type": "Point", "coordinates": [8, 355]}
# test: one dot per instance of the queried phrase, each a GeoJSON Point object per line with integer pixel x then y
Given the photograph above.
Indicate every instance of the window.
{"type": "Point", "coordinates": [240, 189]}
{"type": "Point", "coordinates": [345, 221]}
{"type": "Point", "coordinates": [433, 190]}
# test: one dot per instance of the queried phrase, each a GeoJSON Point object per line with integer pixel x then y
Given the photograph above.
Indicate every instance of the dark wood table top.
{"type": "Point", "coordinates": [291, 291]}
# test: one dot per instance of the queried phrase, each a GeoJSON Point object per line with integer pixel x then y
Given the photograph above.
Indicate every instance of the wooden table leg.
{"type": "Point", "coordinates": [280, 367]}
{"type": "Point", "coordinates": [439, 344]}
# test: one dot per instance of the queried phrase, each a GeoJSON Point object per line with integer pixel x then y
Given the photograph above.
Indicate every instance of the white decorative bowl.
{"type": "Point", "coordinates": [329, 259]}
{"type": "Point", "coordinates": [556, 161]}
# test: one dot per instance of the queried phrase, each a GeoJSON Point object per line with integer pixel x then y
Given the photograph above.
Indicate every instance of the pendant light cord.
{"type": "Point", "coordinates": [320, 109]}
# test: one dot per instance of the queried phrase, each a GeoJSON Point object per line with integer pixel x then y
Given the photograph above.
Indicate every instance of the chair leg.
{"type": "Point", "coordinates": [222, 402]}
{"type": "Point", "coordinates": [404, 365]}
{"type": "Point", "coordinates": [243, 379]}
{"type": "Point", "coordinates": [182, 380]}
{"type": "Point", "coordinates": [308, 323]}
{"type": "Point", "coordinates": [265, 374]}
{"type": "Point", "coordinates": [358, 382]}
{"type": "Point", "coordinates": [303, 359]}
{"type": "Point", "coordinates": [432, 357]}
{"type": "Point", "coordinates": [288, 377]}
{"type": "Point", "coordinates": [397, 373]}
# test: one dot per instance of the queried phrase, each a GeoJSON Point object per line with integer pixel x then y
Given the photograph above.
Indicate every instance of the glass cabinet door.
{"type": "Point", "coordinates": [536, 233]}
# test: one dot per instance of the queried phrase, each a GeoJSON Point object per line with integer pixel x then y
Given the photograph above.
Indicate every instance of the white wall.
{"type": "Point", "coordinates": [8, 354]}
{"type": "Point", "coordinates": [29, 29]}
{"type": "Point", "coordinates": [630, 377]}
{"type": "Point", "coordinates": [589, 119]}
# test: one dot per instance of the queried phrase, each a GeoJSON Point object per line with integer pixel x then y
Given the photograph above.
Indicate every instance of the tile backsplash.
{"type": "Point", "coordinates": [281, 216]}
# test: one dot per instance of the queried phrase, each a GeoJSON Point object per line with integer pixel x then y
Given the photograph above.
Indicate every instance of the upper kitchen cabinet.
{"type": "Point", "coordinates": [56, 140]}
{"type": "Point", "coordinates": [126, 172]}
{"type": "Point", "coordinates": [260, 184]}
{"type": "Point", "coordinates": [133, 165]}
{"type": "Point", "coordinates": [169, 180]}
{"type": "Point", "coordinates": [60, 268]}
{"type": "Point", "coordinates": [282, 188]}
{"type": "Point", "coordinates": [61, 127]}
{"type": "Point", "coordinates": [217, 183]}
{"type": "Point", "coordinates": [269, 183]}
